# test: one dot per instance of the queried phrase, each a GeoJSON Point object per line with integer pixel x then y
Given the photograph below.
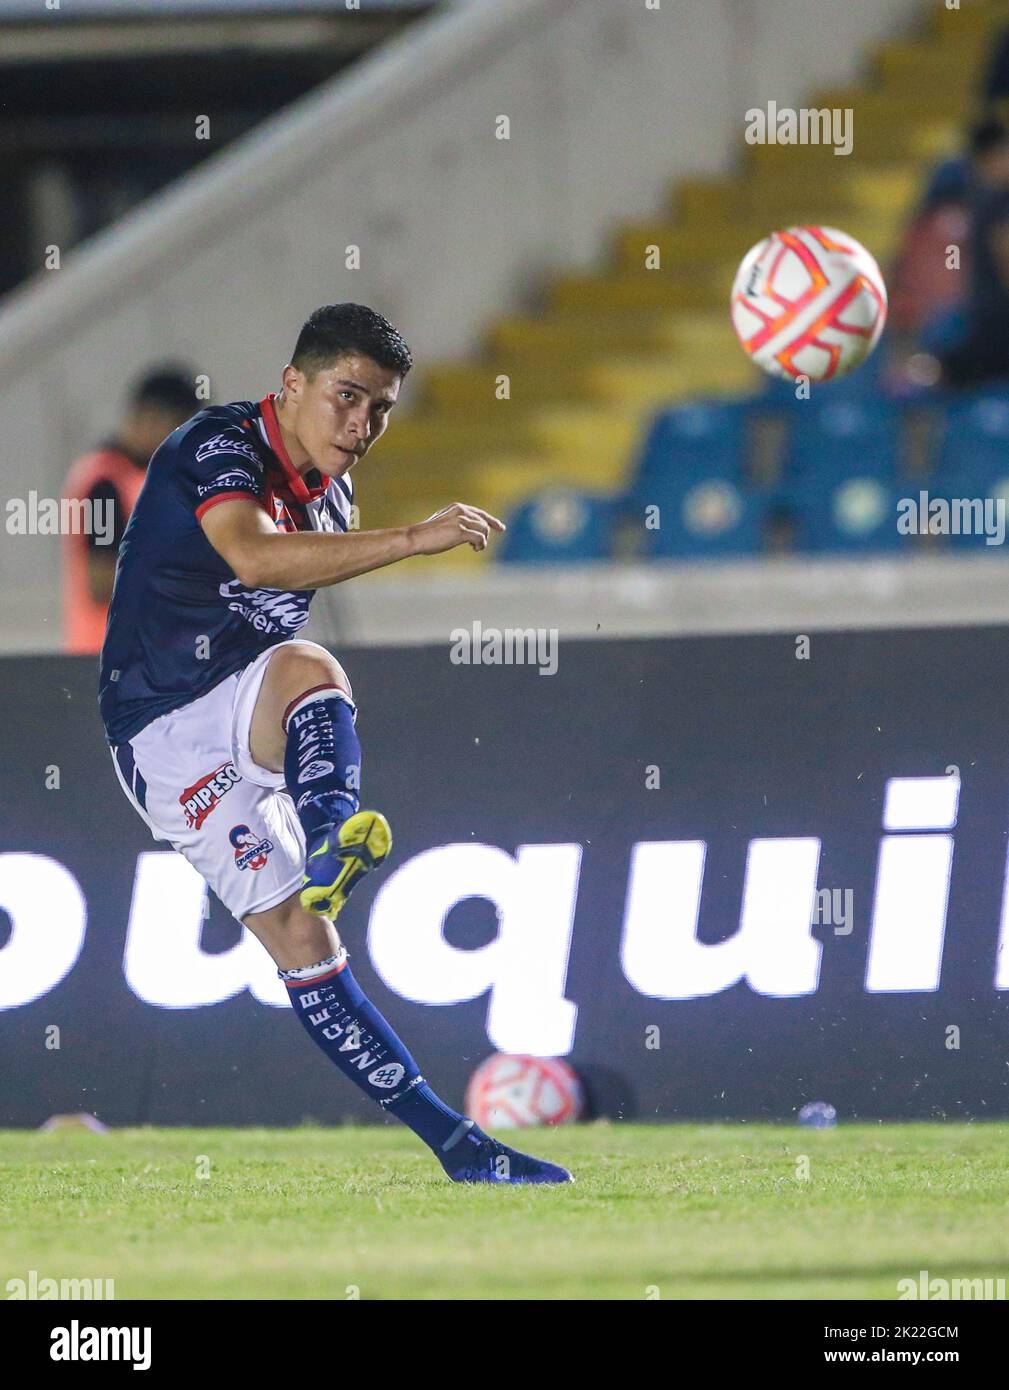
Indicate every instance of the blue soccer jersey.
{"type": "Point", "coordinates": [180, 621]}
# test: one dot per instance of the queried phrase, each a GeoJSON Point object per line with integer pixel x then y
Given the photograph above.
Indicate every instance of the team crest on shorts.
{"type": "Point", "coordinates": [250, 850]}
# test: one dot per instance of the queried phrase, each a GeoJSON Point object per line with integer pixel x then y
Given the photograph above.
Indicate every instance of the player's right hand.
{"type": "Point", "coordinates": [458, 524]}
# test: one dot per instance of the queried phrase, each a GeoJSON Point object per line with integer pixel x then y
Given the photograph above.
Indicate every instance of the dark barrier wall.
{"type": "Point", "coordinates": [539, 792]}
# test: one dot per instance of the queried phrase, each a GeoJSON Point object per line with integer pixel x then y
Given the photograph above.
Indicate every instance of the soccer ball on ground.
{"type": "Point", "coordinates": [519, 1092]}
{"type": "Point", "coordinates": [808, 301]}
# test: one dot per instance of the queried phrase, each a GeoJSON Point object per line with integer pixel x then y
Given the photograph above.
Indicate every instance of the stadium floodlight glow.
{"type": "Point", "coordinates": [164, 963]}
{"type": "Point", "coordinates": [773, 949]}
{"type": "Point", "coordinates": [49, 917]}
{"type": "Point", "coordinates": [524, 968]}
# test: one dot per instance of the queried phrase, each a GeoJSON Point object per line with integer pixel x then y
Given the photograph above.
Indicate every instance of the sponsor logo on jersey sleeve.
{"type": "Point", "coordinates": [233, 480]}
{"type": "Point", "coordinates": [229, 442]}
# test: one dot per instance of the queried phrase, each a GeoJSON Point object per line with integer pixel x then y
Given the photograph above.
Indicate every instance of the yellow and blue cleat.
{"type": "Point", "coordinates": [338, 858]}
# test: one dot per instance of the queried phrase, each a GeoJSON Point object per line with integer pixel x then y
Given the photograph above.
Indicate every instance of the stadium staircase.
{"type": "Point", "coordinates": [562, 396]}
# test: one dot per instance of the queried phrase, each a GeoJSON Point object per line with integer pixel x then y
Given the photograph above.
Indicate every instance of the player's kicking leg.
{"type": "Point", "coordinates": [303, 725]}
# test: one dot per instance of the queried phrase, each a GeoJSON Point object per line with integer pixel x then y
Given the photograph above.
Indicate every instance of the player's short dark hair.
{"type": "Point", "coordinates": [336, 330]}
{"type": "Point", "coordinates": [170, 387]}
{"type": "Point", "coordinates": [987, 135]}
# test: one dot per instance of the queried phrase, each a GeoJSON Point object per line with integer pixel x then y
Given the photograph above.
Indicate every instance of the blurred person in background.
{"type": "Point", "coordinates": [995, 88]}
{"type": "Point", "coordinates": [927, 295]}
{"type": "Point", "coordinates": [113, 474]}
{"type": "Point", "coordinates": [980, 351]}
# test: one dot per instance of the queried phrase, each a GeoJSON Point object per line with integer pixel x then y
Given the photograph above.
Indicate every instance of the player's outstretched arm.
{"type": "Point", "coordinates": [264, 558]}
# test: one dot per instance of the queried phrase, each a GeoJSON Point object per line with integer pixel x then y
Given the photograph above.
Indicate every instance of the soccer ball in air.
{"type": "Point", "coordinates": [808, 301]}
{"type": "Point", "coordinates": [519, 1092]}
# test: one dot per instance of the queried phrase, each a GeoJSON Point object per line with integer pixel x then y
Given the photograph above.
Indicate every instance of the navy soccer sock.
{"type": "Point", "coordinates": [322, 760]}
{"type": "Point", "coordinates": [358, 1040]}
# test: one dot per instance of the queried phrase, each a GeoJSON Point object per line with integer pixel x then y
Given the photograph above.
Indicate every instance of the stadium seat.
{"type": "Point", "coordinates": [690, 443]}
{"type": "Point", "coordinates": [974, 447]}
{"type": "Point", "coordinates": [983, 505]}
{"type": "Point", "coordinates": [839, 438]}
{"type": "Point", "coordinates": [705, 517]}
{"type": "Point", "coordinates": [856, 514]}
{"type": "Point", "coordinates": [558, 526]}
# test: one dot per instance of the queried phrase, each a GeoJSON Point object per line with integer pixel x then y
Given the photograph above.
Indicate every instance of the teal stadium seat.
{"type": "Point", "coordinates": [841, 438]}
{"type": "Point", "coordinates": [857, 514]}
{"type": "Point", "coordinates": [559, 526]}
{"type": "Point", "coordinates": [974, 446]}
{"type": "Point", "coordinates": [689, 498]}
{"type": "Point", "coordinates": [690, 442]}
{"type": "Point", "coordinates": [705, 518]}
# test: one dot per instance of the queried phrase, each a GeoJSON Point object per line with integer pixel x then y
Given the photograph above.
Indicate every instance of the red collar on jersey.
{"type": "Point", "coordinates": [299, 489]}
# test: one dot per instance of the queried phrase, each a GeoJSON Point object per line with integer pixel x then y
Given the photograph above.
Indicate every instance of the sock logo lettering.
{"type": "Point", "coordinates": [367, 1051]}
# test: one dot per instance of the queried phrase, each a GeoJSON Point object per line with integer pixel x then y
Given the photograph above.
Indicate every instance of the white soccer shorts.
{"type": "Point", "coordinates": [190, 774]}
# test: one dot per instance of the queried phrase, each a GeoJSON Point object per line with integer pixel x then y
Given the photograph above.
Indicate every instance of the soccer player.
{"type": "Point", "coordinates": [234, 739]}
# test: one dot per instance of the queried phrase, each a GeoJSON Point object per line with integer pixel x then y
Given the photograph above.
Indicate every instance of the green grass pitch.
{"type": "Point", "coordinates": [667, 1211]}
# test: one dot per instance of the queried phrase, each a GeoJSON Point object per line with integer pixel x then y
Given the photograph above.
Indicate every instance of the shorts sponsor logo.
{"type": "Point", "coordinates": [315, 770]}
{"type": "Point", "coordinates": [200, 799]}
{"type": "Point", "coordinates": [250, 850]}
{"type": "Point", "coordinates": [230, 442]}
